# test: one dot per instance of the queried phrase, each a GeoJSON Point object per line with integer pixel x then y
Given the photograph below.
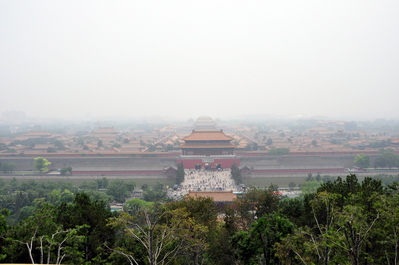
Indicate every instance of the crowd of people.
{"type": "Point", "coordinates": [205, 180]}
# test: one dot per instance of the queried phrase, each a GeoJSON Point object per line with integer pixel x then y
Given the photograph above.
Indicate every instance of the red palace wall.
{"type": "Point", "coordinates": [125, 172]}
{"type": "Point", "coordinates": [226, 163]}
{"type": "Point", "coordinates": [316, 170]}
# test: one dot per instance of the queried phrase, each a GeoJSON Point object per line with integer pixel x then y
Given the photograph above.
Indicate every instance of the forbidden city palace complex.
{"type": "Point", "coordinates": [208, 149]}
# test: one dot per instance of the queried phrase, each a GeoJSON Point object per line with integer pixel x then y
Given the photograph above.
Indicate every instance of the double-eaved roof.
{"type": "Point", "coordinates": [105, 130]}
{"type": "Point", "coordinates": [207, 136]}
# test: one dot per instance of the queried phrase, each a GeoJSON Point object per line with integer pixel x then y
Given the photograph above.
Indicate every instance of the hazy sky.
{"type": "Point", "coordinates": [189, 58]}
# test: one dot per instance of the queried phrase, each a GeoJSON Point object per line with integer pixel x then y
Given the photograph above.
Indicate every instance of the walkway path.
{"type": "Point", "coordinates": [202, 180]}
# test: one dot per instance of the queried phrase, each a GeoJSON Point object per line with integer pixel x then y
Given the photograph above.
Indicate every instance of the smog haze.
{"type": "Point", "coordinates": [183, 59]}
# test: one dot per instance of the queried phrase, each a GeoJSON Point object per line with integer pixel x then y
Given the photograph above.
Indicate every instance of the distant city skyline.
{"type": "Point", "coordinates": [15, 116]}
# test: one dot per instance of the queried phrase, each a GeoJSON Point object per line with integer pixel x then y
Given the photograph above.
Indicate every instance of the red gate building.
{"type": "Point", "coordinates": [208, 149]}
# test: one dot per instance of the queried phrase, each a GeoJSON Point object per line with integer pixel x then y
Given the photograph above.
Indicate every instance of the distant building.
{"type": "Point", "coordinates": [205, 123]}
{"type": "Point", "coordinates": [34, 134]}
{"type": "Point", "coordinates": [132, 146]}
{"type": "Point", "coordinates": [220, 198]}
{"type": "Point", "coordinates": [245, 170]}
{"type": "Point", "coordinates": [207, 143]}
{"type": "Point", "coordinates": [105, 134]}
{"type": "Point", "coordinates": [395, 142]}
{"type": "Point", "coordinates": [170, 172]}
{"type": "Point", "coordinates": [208, 149]}
{"type": "Point", "coordinates": [340, 135]}
{"type": "Point", "coordinates": [116, 207]}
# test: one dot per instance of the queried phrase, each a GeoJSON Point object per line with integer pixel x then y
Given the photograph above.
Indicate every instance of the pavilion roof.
{"type": "Point", "coordinates": [105, 130]}
{"type": "Point", "coordinates": [207, 146]}
{"type": "Point", "coordinates": [207, 136]}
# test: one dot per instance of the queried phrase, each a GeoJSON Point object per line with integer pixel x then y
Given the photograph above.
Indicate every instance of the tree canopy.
{"type": "Point", "coordinates": [362, 160]}
{"type": "Point", "coordinates": [341, 220]}
{"type": "Point", "coordinates": [41, 164]}
{"type": "Point", "coordinates": [279, 151]}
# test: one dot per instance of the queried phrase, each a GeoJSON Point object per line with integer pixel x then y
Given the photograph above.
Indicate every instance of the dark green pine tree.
{"type": "Point", "coordinates": [236, 174]}
{"type": "Point", "coordinates": [180, 173]}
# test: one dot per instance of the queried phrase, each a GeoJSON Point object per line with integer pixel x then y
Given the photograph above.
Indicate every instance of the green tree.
{"type": "Point", "coordinates": [157, 233]}
{"type": "Point", "coordinates": [293, 209]}
{"type": "Point", "coordinates": [41, 164]}
{"type": "Point", "coordinates": [39, 239]}
{"type": "Point", "coordinates": [168, 148]}
{"type": "Point", "coordinates": [356, 214]}
{"type": "Point", "coordinates": [180, 173]}
{"type": "Point", "coordinates": [94, 215]}
{"type": "Point", "coordinates": [81, 142]}
{"type": "Point", "coordinates": [51, 150]}
{"type": "Point", "coordinates": [255, 204]}
{"type": "Point", "coordinates": [100, 143]}
{"type": "Point", "coordinates": [380, 162]}
{"type": "Point", "coordinates": [355, 230]}
{"type": "Point", "coordinates": [390, 159]}
{"type": "Point", "coordinates": [341, 226]}
{"type": "Point", "coordinates": [252, 147]}
{"type": "Point", "coordinates": [88, 185]}
{"type": "Point", "coordinates": [151, 147]}
{"type": "Point", "coordinates": [279, 151]}
{"type": "Point", "coordinates": [203, 215]}
{"type": "Point", "coordinates": [310, 186]}
{"type": "Point", "coordinates": [257, 246]}
{"type": "Point", "coordinates": [116, 145]}
{"type": "Point", "coordinates": [387, 159]}
{"type": "Point", "coordinates": [66, 170]}
{"type": "Point", "coordinates": [389, 230]}
{"type": "Point", "coordinates": [3, 146]}
{"type": "Point", "coordinates": [3, 229]}
{"type": "Point", "coordinates": [59, 145]}
{"type": "Point", "coordinates": [96, 195]}
{"type": "Point", "coordinates": [362, 161]}
{"type": "Point", "coordinates": [314, 142]}
{"type": "Point", "coordinates": [2, 183]}
{"type": "Point", "coordinates": [102, 183]}
{"type": "Point", "coordinates": [133, 206]}
{"type": "Point", "coordinates": [155, 194]}
{"type": "Point", "coordinates": [236, 173]}
{"type": "Point", "coordinates": [8, 167]}
{"type": "Point", "coordinates": [120, 189]}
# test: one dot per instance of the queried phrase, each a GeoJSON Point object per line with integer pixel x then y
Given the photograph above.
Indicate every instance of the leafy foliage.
{"type": "Point", "coordinates": [279, 151]}
{"type": "Point", "coordinates": [362, 160]}
{"type": "Point", "coordinates": [180, 173]}
{"type": "Point", "coordinates": [120, 189]}
{"type": "Point", "coordinates": [343, 221]}
{"type": "Point", "coordinates": [66, 170]}
{"type": "Point", "coordinates": [236, 173]}
{"type": "Point", "coordinates": [256, 246]}
{"type": "Point", "coordinates": [7, 167]}
{"type": "Point", "coordinates": [156, 193]}
{"type": "Point", "coordinates": [388, 159]}
{"type": "Point", "coordinates": [93, 215]}
{"type": "Point", "coordinates": [41, 164]}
